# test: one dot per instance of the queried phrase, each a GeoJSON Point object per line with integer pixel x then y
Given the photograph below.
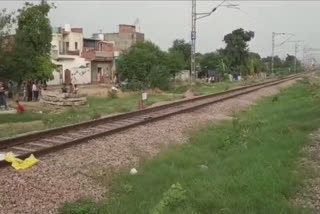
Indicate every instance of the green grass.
{"type": "Point", "coordinates": [96, 108]}
{"type": "Point", "coordinates": [252, 165]}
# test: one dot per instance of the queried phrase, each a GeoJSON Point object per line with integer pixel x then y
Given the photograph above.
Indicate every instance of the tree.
{"type": "Point", "coordinates": [146, 66]}
{"type": "Point", "coordinates": [212, 61]}
{"type": "Point", "coordinates": [255, 63]}
{"type": "Point", "coordinates": [290, 63]}
{"type": "Point", "coordinates": [180, 47]}
{"type": "Point", "coordinates": [6, 21]}
{"type": "Point", "coordinates": [32, 46]}
{"type": "Point", "coordinates": [236, 51]}
{"type": "Point", "coordinates": [277, 63]}
{"type": "Point", "coordinates": [175, 62]}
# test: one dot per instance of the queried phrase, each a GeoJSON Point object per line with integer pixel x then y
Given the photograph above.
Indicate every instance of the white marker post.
{"type": "Point", "coordinates": [144, 96]}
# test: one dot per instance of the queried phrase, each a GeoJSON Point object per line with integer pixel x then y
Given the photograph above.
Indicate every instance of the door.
{"type": "Point", "coordinates": [67, 76]}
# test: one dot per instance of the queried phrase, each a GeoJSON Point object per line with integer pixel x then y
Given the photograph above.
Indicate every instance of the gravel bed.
{"type": "Point", "coordinates": [73, 173]}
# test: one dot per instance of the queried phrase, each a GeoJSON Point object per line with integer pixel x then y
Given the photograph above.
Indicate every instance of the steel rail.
{"type": "Point", "coordinates": [56, 139]}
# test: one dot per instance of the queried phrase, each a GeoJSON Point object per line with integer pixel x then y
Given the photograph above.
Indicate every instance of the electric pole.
{"type": "Point", "coordinates": [295, 57]}
{"type": "Point", "coordinates": [193, 39]}
{"type": "Point", "coordinates": [195, 16]}
{"type": "Point", "coordinates": [296, 46]}
{"type": "Point", "coordinates": [273, 46]}
{"type": "Point", "coordinates": [272, 54]}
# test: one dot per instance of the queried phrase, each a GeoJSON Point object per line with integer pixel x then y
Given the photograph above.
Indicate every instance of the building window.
{"type": "Point", "coordinates": [76, 45]}
{"type": "Point", "coordinates": [67, 46]}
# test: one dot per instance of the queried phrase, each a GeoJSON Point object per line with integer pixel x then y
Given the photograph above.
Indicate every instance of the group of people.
{"type": "Point", "coordinates": [3, 98]}
{"type": "Point", "coordinates": [32, 90]}
{"type": "Point", "coordinates": [73, 89]}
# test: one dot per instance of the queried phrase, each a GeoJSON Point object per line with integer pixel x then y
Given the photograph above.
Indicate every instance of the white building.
{"type": "Point", "coordinates": [66, 49]}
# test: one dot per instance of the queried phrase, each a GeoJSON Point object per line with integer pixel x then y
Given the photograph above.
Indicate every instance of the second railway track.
{"type": "Point", "coordinates": [55, 139]}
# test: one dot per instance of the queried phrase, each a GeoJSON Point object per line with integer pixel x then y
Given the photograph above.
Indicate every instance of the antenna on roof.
{"type": "Point", "coordinates": [137, 25]}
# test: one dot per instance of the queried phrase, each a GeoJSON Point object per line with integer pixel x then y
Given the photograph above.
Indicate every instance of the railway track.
{"type": "Point", "coordinates": [55, 139]}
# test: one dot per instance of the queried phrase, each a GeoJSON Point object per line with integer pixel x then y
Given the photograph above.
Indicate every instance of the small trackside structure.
{"type": "Point", "coordinates": [63, 99]}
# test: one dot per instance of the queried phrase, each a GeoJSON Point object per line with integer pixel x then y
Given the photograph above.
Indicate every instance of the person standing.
{"type": "Point", "coordinates": [71, 88]}
{"type": "Point", "coordinates": [34, 91]}
{"type": "Point", "coordinates": [3, 100]}
{"type": "Point", "coordinates": [38, 92]}
{"type": "Point", "coordinates": [25, 92]}
{"type": "Point", "coordinates": [76, 90]}
{"type": "Point", "coordinates": [10, 89]}
{"type": "Point", "coordinates": [29, 90]}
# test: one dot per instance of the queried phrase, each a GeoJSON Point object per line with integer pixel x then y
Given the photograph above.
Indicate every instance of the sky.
{"type": "Point", "coordinates": [164, 21]}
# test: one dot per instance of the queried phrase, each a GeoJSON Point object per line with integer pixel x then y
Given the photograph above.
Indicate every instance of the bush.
{"type": "Point", "coordinates": [112, 94]}
{"type": "Point", "coordinates": [145, 65]}
{"type": "Point", "coordinates": [159, 77]}
{"type": "Point", "coordinates": [83, 207]}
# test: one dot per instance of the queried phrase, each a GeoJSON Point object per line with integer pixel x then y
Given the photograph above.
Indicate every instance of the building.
{"type": "Point", "coordinates": [123, 40]}
{"type": "Point", "coordinates": [66, 49]}
{"type": "Point", "coordinates": [101, 55]}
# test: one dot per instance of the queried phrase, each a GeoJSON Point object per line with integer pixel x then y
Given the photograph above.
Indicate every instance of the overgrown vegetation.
{"type": "Point", "coordinates": [248, 165]}
{"type": "Point", "coordinates": [146, 66]}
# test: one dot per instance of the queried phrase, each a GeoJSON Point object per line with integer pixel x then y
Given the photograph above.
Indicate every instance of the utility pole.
{"type": "Point", "coordinates": [195, 16]}
{"type": "Point", "coordinates": [273, 47]}
{"type": "Point", "coordinates": [193, 39]}
{"type": "Point", "coordinates": [295, 57]}
{"type": "Point", "coordinates": [272, 54]}
{"type": "Point", "coordinates": [296, 46]}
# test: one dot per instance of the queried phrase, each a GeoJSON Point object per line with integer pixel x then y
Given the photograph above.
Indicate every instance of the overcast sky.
{"type": "Point", "coordinates": [164, 21]}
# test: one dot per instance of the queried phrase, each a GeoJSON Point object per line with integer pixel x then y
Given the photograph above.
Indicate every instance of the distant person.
{"type": "Point", "coordinates": [64, 88]}
{"type": "Point", "coordinates": [71, 88]}
{"type": "Point", "coordinates": [44, 85]}
{"type": "Point", "coordinates": [76, 89]}
{"type": "Point", "coordinates": [20, 108]}
{"type": "Point", "coordinates": [34, 91]}
{"type": "Point", "coordinates": [10, 89]}
{"type": "Point", "coordinates": [38, 92]}
{"type": "Point", "coordinates": [29, 90]}
{"type": "Point", "coordinates": [25, 92]}
{"type": "Point", "coordinates": [3, 100]}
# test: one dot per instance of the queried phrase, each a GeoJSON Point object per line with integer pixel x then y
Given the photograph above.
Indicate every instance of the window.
{"type": "Point", "coordinates": [76, 45]}
{"type": "Point", "coordinates": [67, 46]}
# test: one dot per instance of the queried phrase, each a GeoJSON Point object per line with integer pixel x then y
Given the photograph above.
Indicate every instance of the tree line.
{"type": "Point", "coordinates": [145, 65]}
{"type": "Point", "coordinates": [26, 55]}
